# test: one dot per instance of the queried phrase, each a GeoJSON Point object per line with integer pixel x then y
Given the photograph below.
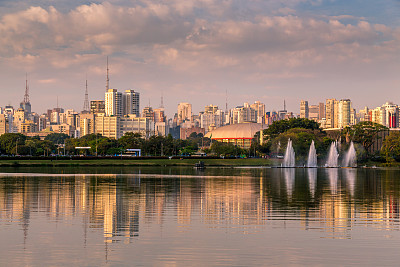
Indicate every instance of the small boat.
{"type": "Point", "coordinates": [199, 165]}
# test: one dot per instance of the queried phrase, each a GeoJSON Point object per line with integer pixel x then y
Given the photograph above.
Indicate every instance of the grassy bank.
{"type": "Point", "coordinates": [145, 162]}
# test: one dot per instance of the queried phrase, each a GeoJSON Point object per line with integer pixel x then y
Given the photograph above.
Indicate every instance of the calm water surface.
{"type": "Point", "coordinates": [183, 217]}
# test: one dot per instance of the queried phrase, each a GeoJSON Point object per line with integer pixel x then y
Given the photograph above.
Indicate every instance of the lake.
{"type": "Point", "coordinates": [153, 216]}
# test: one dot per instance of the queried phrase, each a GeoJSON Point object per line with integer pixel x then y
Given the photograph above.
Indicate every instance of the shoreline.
{"type": "Point", "coordinates": [158, 162]}
{"type": "Point", "coordinates": [185, 162]}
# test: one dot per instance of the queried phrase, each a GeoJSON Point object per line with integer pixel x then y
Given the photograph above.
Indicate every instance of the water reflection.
{"type": "Point", "coordinates": [312, 180]}
{"type": "Point", "coordinates": [125, 207]}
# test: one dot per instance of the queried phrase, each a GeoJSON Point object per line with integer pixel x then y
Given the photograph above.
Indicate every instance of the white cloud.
{"type": "Point", "coordinates": [194, 45]}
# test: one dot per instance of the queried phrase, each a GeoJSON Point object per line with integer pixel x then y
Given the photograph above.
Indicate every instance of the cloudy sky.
{"type": "Point", "coordinates": [196, 50]}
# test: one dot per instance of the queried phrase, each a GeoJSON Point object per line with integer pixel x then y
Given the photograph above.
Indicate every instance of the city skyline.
{"type": "Point", "coordinates": [197, 50]}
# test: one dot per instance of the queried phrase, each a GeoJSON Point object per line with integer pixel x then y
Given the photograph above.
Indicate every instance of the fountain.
{"type": "Point", "coordinates": [312, 156]}
{"type": "Point", "coordinates": [333, 156]}
{"type": "Point", "coordinates": [350, 159]}
{"type": "Point", "coordinates": [288, 160]}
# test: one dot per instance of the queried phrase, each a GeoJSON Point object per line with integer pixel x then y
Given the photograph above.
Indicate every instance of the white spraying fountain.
{"type": "Point", "coordinates": [350, 159]}
{"type": "Point", "coordinates": [333, 156]}
{"type": "Point", "coordinates": [312, 156]}
{"type": "Point", "coordinates": [288, 160]}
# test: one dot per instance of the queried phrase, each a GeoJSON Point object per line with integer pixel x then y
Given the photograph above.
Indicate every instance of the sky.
{"type": "Point", "coordinates": [201, 51]}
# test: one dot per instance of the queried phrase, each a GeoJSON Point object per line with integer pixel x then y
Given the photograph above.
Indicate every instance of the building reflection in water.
{"type": "Point", "coordinates": [331, 200]}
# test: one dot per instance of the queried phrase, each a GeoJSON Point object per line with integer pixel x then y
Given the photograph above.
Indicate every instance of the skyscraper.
{"type": "Point", "coordinates": [131, 102]}
{"type": "Point", "coordinates": [26, 104]}
{"type": "Point", "coordinates": [304, 112]}
{"type": "Point", "coordinates": [113, 103]}
{"type": "Point", "coordinates": [184, 112]}
{"type": "Point", "coordinates": [330, 113]}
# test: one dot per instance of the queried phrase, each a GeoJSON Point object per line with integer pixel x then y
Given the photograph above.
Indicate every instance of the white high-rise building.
{"type": "Point", "coordinates": [131, 102]}
{"type": "Point", "coordinates": [113, 103]}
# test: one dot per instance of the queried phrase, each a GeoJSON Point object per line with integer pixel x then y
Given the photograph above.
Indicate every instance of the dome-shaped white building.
{"type": "Point", "coordinates": [239, 134]}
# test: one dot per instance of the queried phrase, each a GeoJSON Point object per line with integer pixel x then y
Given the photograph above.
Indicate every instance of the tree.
{"type": "Point", "coordinates": [226, 149]}
{"type": "Point", "coordinates": [391, 147]}
{"type": "Point", "coordinates": [365, 133]}
{"type": "Point", "coordinates": [301, 140]}
{"type": "Point", "coordinates": [57, 138]}
{"type": "Point", "coordinates": [282, 126]}
{"type": "Point", "coordinates": [9, 141]}
{"type": "Point", "coordinates": [131, 140]}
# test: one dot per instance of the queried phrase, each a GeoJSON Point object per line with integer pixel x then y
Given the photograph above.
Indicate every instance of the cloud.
{"type": "Point", "coordinates": [194, 45]}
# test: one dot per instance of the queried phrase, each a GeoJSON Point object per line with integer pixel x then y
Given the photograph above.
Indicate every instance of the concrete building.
{"type": "Point", "coordinates": [260, 111]}
{"type": "Point", "coordinates": [148, 113]}
{"type": "Point", "coordinates": [313, 112]}
{"type": "Point", "coordinates": [184, 112]}
{"type": "Point", "coordinates": [64, 128]}
{"type": "Point", "coordinates": [391, 117]}
{"type": "Point", "coordinates": [87, 123]}
{"type": "Point", "coordinates": [344, 113]}
{"type": "Point", "coordinates": [131, 102]}
{"type": "Point", "coordinates": [159, 115]}
{"type": "Point", "coordinates": [113, 103]}
{"type": "Point", "coordinates": [321, 111]}
{"type": "Point", "coordinates": [3, 124]}
{"type": "Point", "coordinates": [186, 132]}
{"type": "Point", "coordinates": [115, 127]}
{"type": "Point", "coordinates": [304, 111]}
{"type": "Point", "coordinates": [97, 106]}
{"type": "Point", "coordinates": [330, 113]}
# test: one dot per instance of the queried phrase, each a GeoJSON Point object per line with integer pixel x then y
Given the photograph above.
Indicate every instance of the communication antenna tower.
{"type": "Point", "coordinates": [108, 80]}
{"type": "Point", "coordinates": [26, 96]}
{"type": "Point", "coordinates": [86, 102]}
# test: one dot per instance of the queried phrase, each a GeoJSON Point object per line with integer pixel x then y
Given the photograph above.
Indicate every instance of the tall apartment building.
{"type": "Point", "coordinates": [330, 113]}
{"type": "Point", "coordinates": [313, 112]}
{"type": "Point", "coordinates": [344, 113]}
{"type": "Point", "coordinates": [260, 111]}
{"type": "Point", "coordinates": [159, 115]}
{"type": "Point", "coordinates": [304, 111]}
{"type": "Point", "coordinates": [184, 112]}
{"type": "Point", "coordinates": [3, 124]}
{"type": "Point", "coordinates": [131, 102]}
{"type": "Point", "coordinates": [148, 113]}
{"type": "Point", "coordinates": [86, 123]}
{"type": "Point", "coordinates": [321, 111]}
{"type": "Point", "coordinates": [391, 115]}
{"type": "Point", "coordinates": [113, 103]}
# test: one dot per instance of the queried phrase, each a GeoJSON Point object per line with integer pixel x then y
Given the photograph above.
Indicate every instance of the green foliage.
{"type": "Point", "coordinates": [391, 147]}
{"type": "Point", "coordinates": [57, 138]}
{"type": "Point", "coordinates": [365, 133]}
{"type": "Point", "coordinates": [301, 140]}
{"type": "Point", "coordinates": [8, 142]}
{"type": "Point", "coordinates": [226, 149]}
{"type": "Point", "coordinates": [282, 126]}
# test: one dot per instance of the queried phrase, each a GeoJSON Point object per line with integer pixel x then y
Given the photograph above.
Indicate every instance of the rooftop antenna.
{"type": "Point", "coordinates": [162, 100]}
{"type": "Point", "coordinates": [226, 101]}
{"type": "Point", "coordinates": [284, 104]}
{"type": "Point", "coordinates": [86, 102]}
{"type": "Point", "coordinates": [108, 80]}
{"type": "Point", "coordinates": [26, 96]}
